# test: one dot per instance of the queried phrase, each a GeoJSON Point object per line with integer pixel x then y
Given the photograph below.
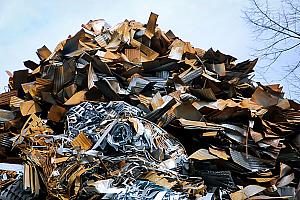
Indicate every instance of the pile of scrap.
{"type": "Point", "coordinates": [133, 112]}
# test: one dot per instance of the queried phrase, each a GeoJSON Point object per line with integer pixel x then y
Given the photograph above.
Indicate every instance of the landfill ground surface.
{"type": "Point", "coordinates": [134, 112]}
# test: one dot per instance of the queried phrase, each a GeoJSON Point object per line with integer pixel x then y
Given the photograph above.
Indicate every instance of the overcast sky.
{"type": "Point", "coordinates": [27, 25]}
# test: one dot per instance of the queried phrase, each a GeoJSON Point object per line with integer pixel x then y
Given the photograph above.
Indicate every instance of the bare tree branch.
{"type": "Point", "coordinates": [275, 26]}
{"type": "Point", "coordinates": [273, 21]}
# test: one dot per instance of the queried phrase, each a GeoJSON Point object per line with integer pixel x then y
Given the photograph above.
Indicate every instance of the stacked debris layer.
{"type": "Point", "coordinates": [131, 112]}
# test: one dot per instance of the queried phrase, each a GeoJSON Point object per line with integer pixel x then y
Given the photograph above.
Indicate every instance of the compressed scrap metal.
{"type": "Point", "coordinates": [134, 112]}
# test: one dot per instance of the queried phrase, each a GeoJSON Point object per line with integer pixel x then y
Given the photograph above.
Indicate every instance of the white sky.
{"type": "Point", "coordinates": [27, 25]}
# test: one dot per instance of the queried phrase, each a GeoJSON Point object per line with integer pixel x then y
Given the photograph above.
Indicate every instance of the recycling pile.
{"type": "Point", "coordinates": [133, 112]}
